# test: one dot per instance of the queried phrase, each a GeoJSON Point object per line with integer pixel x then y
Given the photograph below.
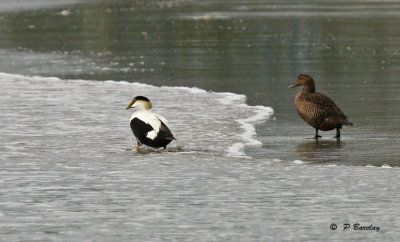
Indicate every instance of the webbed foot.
{"type": "Point", "coordinates": [134, 147]}
{"type": "Point", "coordinates": [315, 137]}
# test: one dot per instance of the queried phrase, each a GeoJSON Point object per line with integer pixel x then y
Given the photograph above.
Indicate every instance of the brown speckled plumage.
{"type": "Point", "coordinates": [317, 109]}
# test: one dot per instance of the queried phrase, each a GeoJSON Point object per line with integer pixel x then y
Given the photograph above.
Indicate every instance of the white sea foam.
{"type": "Point", "coordinates": [231, 98]}
{"type": "Point", "coordinates": [384, 166]}
{"type": "Point", "coordinates": [260, 114]}
{"type": "Point", "coordinates": [188, 89]}
{"type": "Point", "coordinates": [200, 120]}
{"type": "Point", "coordinates": [298, 162]}
{"type": "Point", "coordinates": [236, 150]}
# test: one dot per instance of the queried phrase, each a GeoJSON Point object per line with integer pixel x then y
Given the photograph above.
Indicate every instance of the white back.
{"type": "Point", "coordinates": [150, 118]}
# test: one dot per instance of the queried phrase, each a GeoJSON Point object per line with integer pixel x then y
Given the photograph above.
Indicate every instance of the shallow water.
{"type": "Point", "coordinates": [65, 175]}
{"type": "Point", "coordinates": [253, 48]}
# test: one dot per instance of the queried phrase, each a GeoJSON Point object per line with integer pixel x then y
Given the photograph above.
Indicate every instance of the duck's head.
{"type": "Point", "coordinates": [306, 81]}
{"type": "Point", "coordinates": [140, 102]}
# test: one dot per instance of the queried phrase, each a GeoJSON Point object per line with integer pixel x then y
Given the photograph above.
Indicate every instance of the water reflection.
{"type": "Point", "coordinates": [320, 150]}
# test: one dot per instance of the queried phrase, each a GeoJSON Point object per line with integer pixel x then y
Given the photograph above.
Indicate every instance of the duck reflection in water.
{"type": "Point", "coordinates": [320, 150]}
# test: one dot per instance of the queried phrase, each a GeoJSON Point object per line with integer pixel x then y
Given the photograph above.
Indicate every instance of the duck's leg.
{"type": "Point", "coordinates": [135, 147]}
{"type": "Point", "coordinates": [316, 134]}
{"type": "Point", "coordinates": [337, 136]}
{"type": "Point", "coordinates": [131, 148]}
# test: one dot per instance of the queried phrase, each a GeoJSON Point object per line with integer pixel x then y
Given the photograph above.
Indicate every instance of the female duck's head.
{"type": "Point", "coordinates": [140, 102]}
{"type": "Point", "coordinates": [306, 81]}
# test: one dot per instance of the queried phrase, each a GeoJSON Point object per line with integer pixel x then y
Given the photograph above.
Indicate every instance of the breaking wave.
{"type": "Point", "coordinates": [83, 111]}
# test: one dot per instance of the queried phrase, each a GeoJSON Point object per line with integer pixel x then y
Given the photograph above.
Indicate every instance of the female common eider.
{"type": "Point", "coordinates": [149, 128]}
{"type": "Point", "coordinates": [317, 109]}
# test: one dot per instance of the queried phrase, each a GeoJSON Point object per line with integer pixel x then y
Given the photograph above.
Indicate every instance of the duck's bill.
{"type": "Point", "coordinates": [130, 104]}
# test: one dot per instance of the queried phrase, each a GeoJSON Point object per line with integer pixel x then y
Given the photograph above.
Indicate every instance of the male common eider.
{"type": "Point", "coordinates": [149, 128]}
{"type": "Point", "coordinates": [317, 109]}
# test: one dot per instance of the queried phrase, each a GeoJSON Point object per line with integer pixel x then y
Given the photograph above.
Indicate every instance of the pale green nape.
{"type": "Point", "coordinates": [148, 105]}
{"type": "Point", "coordinates": [141, 104]}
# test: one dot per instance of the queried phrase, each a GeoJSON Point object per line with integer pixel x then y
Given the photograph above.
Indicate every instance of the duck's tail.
{"type": "Point", "coordinates": [347, 122]}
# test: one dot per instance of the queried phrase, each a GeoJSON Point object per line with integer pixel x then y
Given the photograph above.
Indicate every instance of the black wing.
{"type": "Point", "coordinates": [140, 128]}
{"type": "Point", "coordinates": [164, 132]}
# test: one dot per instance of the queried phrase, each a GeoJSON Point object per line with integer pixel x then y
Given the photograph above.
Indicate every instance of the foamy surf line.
{"type": "Point", "coordinates": [249, 136]}
{"type": "Point", "coordinates": [220, 122]}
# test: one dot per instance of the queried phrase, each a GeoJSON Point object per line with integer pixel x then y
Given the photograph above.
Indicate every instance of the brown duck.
{"type": "Point", "coordinates": [317, 109]}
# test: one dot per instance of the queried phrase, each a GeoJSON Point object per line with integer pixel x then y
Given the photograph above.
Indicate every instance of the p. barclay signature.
{"type": "Point", "coordinates": [357, 226]}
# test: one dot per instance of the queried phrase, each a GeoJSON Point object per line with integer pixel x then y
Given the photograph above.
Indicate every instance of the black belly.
{"type": "Point", "coordinates": [140, 130]}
